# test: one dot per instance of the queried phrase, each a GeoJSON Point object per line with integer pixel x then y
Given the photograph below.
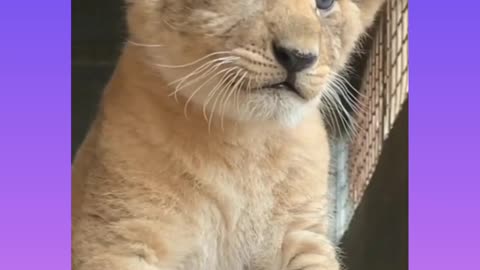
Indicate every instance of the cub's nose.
{"type": "Point", "coordinates": [293, 60]}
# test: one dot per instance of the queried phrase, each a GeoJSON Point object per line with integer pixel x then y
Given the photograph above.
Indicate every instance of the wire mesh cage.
{"type": "Point", "coordinates": [383, 90]}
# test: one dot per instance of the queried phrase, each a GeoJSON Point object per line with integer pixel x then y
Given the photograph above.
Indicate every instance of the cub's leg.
{"type": "Point", "coordinates": [307, 250]}
{"type": "Point", "coordinates": [305, 244]}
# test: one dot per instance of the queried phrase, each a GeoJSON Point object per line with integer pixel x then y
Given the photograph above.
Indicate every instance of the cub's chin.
{"type": "Point", "coordinates": [282, 106]}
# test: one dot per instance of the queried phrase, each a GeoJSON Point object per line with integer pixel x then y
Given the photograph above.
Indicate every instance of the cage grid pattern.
{"type": "Point", "coordinates": [383, 90]}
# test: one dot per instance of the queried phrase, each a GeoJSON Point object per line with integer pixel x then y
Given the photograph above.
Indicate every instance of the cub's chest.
{"type": "Point", "coordinates": [269, 204]}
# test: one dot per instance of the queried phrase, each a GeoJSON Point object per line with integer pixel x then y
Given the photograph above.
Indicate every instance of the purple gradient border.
{"type": "Point", "coordinates": [35, 135]}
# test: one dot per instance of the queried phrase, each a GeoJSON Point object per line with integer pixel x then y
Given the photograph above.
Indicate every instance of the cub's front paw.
{"type": "Point", "coordinates": [305, 250]}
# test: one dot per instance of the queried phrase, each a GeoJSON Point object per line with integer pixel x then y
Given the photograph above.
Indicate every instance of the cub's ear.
{"type": "Point", "coordinates": [368, 10]}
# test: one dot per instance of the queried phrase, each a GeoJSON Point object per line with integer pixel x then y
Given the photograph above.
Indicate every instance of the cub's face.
{"type": "Point", "coordinates": [249, 60]}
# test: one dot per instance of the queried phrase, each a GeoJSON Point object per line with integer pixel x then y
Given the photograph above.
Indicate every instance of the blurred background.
{"type": "Point", "coordinates": [98, 31]}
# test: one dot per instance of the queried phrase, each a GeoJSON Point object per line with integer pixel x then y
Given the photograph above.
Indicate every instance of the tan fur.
{"type": "Point", "coordinates": [168, 181]}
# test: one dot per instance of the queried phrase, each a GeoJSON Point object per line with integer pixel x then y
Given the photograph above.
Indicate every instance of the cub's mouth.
{"type": "Point", "coordinates": [284, 86]}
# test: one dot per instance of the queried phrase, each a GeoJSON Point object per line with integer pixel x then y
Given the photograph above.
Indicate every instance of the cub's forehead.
{"type": "Point", "coordinates": [209, 3]}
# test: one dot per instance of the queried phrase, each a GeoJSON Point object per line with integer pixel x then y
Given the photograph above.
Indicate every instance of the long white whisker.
{"type": "Point", "coordinates": [349, 84]}
{"type": "Point", "coordinates": [202, 74]}
{"type": "Point", "coordinates": [342, 113]}
{"type": "Point", "coordinates": [251, 110]}
{"type": "Point", "coordinates": [144, 44]}
{"type": "Point", "coordinates": [353, 103]}
{"type": "Point", "coordinates": [225, 93]}
{"type": "Point", "coordinates": [209, 97]}
{"type": "Point", "coordinates": [196, 61]}
{"type": "Point", "coordinates": [207, 68]}
{"type": "Point", "coordinates": [330, 106]}
{"type": "Point", "coordinates": [238, 86]}
{"type": "Point", "coordinates": [200, 69]}
{"type": "Point", "coordinates": [199, 88]}
{"type": "Point", "coordinates": [354, 127]}
{"type": "Point", "coordinates": [239, 89]}
{"type": "Point", "coordinates": [232, 91]}
{"type": "Point", "coordinates": [186, 77]}
{"type": "Point", "coordinates": [214, 90]}
{"type": "Point", "coordinates": [222, 90]}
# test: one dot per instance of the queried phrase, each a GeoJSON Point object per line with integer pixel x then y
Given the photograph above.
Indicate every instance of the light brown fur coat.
{"type": "Point", "coordinates": [156, 189]}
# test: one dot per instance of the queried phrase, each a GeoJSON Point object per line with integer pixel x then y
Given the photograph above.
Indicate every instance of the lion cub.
{"type": "Point", "coordinates": [208, 151]}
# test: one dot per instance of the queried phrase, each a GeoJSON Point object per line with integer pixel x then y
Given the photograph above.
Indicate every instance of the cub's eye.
{"type": "Point", "coordinates": [325, 4]}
